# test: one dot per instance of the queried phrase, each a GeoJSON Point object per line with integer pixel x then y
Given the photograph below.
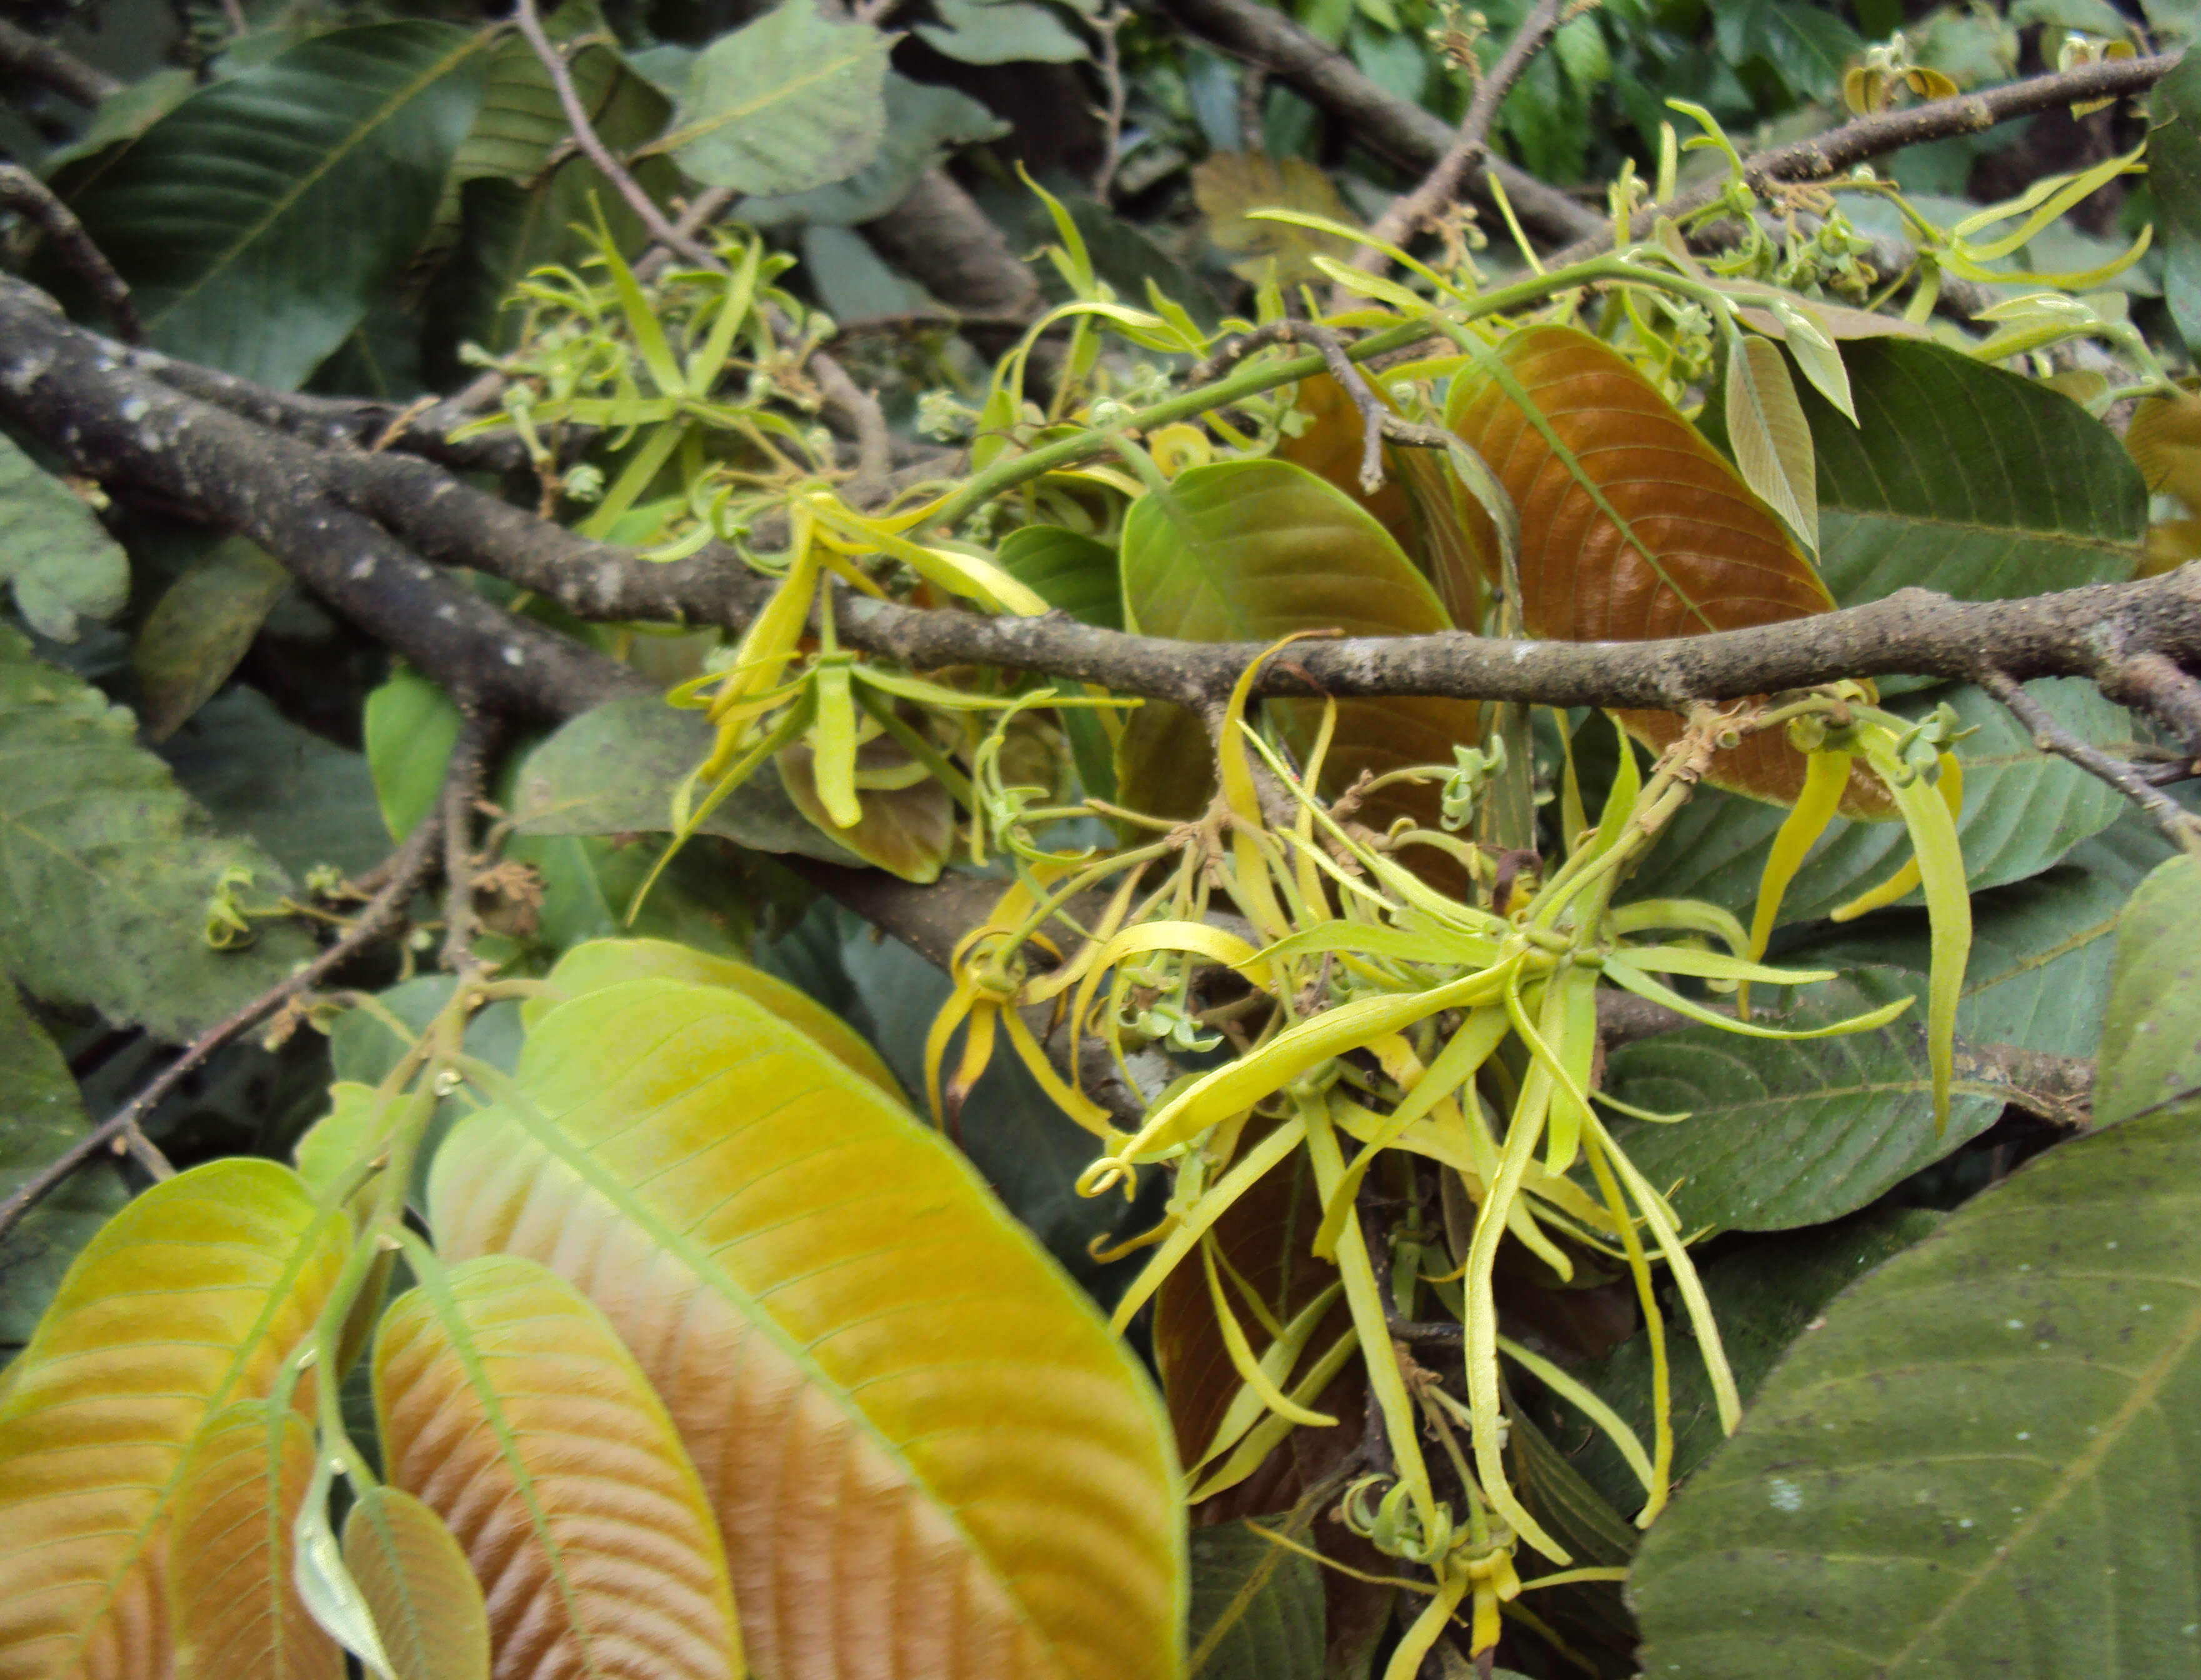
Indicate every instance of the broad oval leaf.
{"type": "Point", "coordinates": [1632, 527]}
{"type": "Point", "coordinates": [258, 219]}
{"type": "Point", "coordinates": [907, 832]}
{"type": "Point", "coordinates": [508, 1406]}
{"type": "Point", "coordinates": [411, 726]}
{"type": "Point", "coordinates": [237, 1614]}
{"type": "Point", "coordinates": [59, 561]}
{"type": "Point", "coordinates": [1257, 1610]}
{"type": "Point", "coordinates": [2152, 1034]}
{"type": "Point", "coordinates": [605, 962]}
{"type": "Point", "coordinates": [926, 1454]}
{"type": "Point", "coordinates": [201, 627]}
{"type": "Point", "coordinates": [1927, 1484]}
{"type": "Point", "coordinates": [427, 1605]}
{"type": "Point", "coordinates": [1072, 573]}
{"type": "Point", "coordinates": [186, 1301]}
{"type": "Point", "coordinates": [1253, 550]}
{"type": "Point", "coordinates": [1002, 32]}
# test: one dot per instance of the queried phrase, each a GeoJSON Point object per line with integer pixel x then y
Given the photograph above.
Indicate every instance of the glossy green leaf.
{"type": "Point", "coordinates": [185, 1302]}
{"type": "Point", "coordinates": [924, 123]}
{"type": "Point", "coordinates": [1939, 1479]}
{"type": "Point", "coordinates": [1961, 477]}
{"type": "Point", "coordinates": [919, 1400]}
{"type": "Point", "coordinates": [1072, 573]}
{"type": "Point", "coordinates": [1002, 32]}
{"type": "Point", "coordinates": [236, 1612]}
{"type": "Point", "coordinates": [113, 866]}
{"type": "Point", "coordinates": [201, 627]}
{"type": "Point", "coordinates": [410, 727]}
{"type": "Point", "coordinates": [1251, 551]}
{"type": "Point", "coordinates": [41, 1115]}
{"type": "Point", "coordinates": [2151, 1032]}
{"type": "Point", "coordinates": [2024, 808]}
{"type": "Point", "coordinates": [426, 1604]}
{"type": "Point", "coordinates": [258, 220]}
{"type": "Point", "coordinates": [1257, 1609]}
{"type": "Point", "coordinates": [508, 1406]}
{"type": "Point", "coordinates": [786, 103]}
{"type": "Point", "coordinates": [58, 561]}
{"type": "Point", "coordinates": [307, 801]}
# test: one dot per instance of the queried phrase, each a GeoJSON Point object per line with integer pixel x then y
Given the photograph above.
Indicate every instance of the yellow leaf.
{"type": "Point", "coordinates": [1230, 184]}
{"type": "Point", "coordinates": [427, 1603]}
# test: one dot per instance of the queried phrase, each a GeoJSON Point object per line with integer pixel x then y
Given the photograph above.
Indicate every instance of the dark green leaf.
{"type": "Point", "coordinates": [1002, 32]}
{"type": "Point", "coordinates": [1257, 1609]}
{"type": "Point", "coordinates": [58, 558]}
{"type": "Point", "coordinates": [307, 802]}
{"type": "Point", "coordinates": [1938, 1481]}
{"type": "Point", "coordinates": [2174, 168]}
{"type": "Point", "coordinates": [924, 123]}
{"type": "Point", "coordinates": [1072, 573]}
{"type": "Point", "coordinates": [2151, 1033]}
{"type": "Point", "coordinates": [410, 727]}
{"type": "Point", "coordinates": [201, 627]}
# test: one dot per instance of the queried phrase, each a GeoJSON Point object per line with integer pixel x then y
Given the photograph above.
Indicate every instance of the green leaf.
{"type": "Point", "coordinates": [786, 103]}
{"type": "Point", "coordinates": [1072, 573]}
{"type": "Point", "coordinates": [259, 774]}
{"type": "Point", "coordinates": [613, 770]}
{"type": "Point", "coordinates": [2151, 1033]}
{"type": "Point", "coordinates": [1002, 32]}
{"type": "Point", "coordinates": [907, 1357]}
{"type": "Point", "coordinates": [924, 123]}
{"type": "Point", "coordinates": [1251, 551]}
{"type": "Point", "coordinates": [1934, 1480]}
{"type": "Point", "coordinates": [2024, 808]}
{"type": "Point", "coordinates": [112, 866]}
{"type": "Point", "coordinates": [427, 1605]}
{"type": "Point", "coordinates": [410, 727]}
{"type": "Point", "coordinates": [122, 116]}
{"type": "Point", "coordinates": [2173, 169]}
{"type": "Point", "coordinates": [41, 1115]}
{"type": "Point", "coordinates": [187, 1301]}
{"type": "Point", "coordinates": [58, 558]}
{"type": "Point", "coordinates": [1257, 1609]}
{"type": "Point", "coordinates": [1961, 477]}
{"type": "Point", "coordinates": [258, 219]}
{"type": "Point", "coordinates": [1772, 443]}
{"type": "Point", "coordinates": [200, 628]}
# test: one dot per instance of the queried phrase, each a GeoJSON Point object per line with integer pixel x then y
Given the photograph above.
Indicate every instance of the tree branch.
{"type": "Point", "coordinates": [24, 193]}
{"type": "Point", "coordinates": [27, 55]}
{"type": "Point", "coordinates": [2178, 825]}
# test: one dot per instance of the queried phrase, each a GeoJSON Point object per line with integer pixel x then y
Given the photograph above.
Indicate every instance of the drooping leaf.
{"type": "Point", "coordinates": [411, 726]}
{"type": "Point", "coordinates": [508, 1406]}
{"type": "Point", "coordinates": [201, 627]}
{"type": "Point", "coordinates": [186, 1301]}
{"type": "Point", "coordinates": [1251, 551]}
{"type": "Point", "coordinates": [1229, 185]}
{"type": "Point", "coordinates": [1633, 526]}
{"type": "Point", "coordinates": [923, 1411]}
{"type": "Point", "coordinates": [58, 559]}
{"type": "Point", "coordinates": [42, 1115]}
{"type": "Point", "coordinates": [235, 1612]}
{"type": "Point", "coordinates": [258, 219]}
{"type": "Point", "coordinates": [1961, 477]}
{"type": "Point", "coordinates": [605, 962]}
{"type": "Point", "coordinates": [1256, 1612]}
{"type": "Point", "coordinates": [2152, 1034]}
{"type": "Point", "coordinates": [786, 103]}
{"type": "Point", "coordinates": [1772, 442]}
{"type": "Point", "coordinates": [113, 866]}
{"type": "Point", "coordinates": [307, 801]}
{"type": "Point", "coordinates": [907, 830]}
{"type": "Point", "coordinates": [1971, 1434]}
{"type": "Point", "coordinates": [427, 1605]}
{"type": "Point", "coordinates": [924, 123]}
{"type": "Point", "coordinates": [1002, 32]}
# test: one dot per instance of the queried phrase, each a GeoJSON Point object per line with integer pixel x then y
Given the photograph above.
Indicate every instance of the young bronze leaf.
{"type": "Point", "coordinates": [427, 1605]}
{"type": "Point", "coordinates": [926, 1454]}
{"type": "Point", "coordinates": [237, 1614]}
{"type": "Point", "coordinates": [1632, 527]}
{"type": "Point", "coordinates": [186, 1301]}
{"type": "Point", "coordinates": [1252, 550]}
{"type": "Point", "coordinates": [508, 1406]}
{"type": "Point", "coordinates": [905, 830]}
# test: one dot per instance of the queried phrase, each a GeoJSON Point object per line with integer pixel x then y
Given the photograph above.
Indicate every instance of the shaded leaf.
{"type": "Point", "coordinates": [1002, 32]}
{"type": "Point", "coordinates": [58, 561]}
{"type": "Point", "coordinates": [256, 773]}
{"type": "Point", "coordinates": [2173, 167]}
{"type": "Point", "coordinates": [328, 1149]}
{"type": "Point", "coordinates": [2017, 1393]}
{"type": "Point", "coordinates": [1228, 185]}
{"type": "Point", "coordinates": [201, 627]}
{"type": "Point", "coordinates": [1005, 1469]}
{"type": "Point", "coordinates": [906, 831]}
{"type": "Point", "coordinates": [1072, 573]}
{"type": "Point", "coordinates": [2151, 1031]}
{"type": "Point", "coordinates": [237, 1614]}
{"type": "Point", "coordinates": [410, 727]}
{"type": "Point", "coordinates": [506, 1405]}
{"type": "Point", "coordinates": [427, 1605]}
{"type": "Point", "coordinates": [258, 219]}
{"type": "Point", "coordinates": [786, 103]}
{"type": "Point", "coordinates": [2164, 441]}
{"type": "Point", "coordinates": [924, 123]}
{"type": "Point", "coordinates": [1257, 1611]}
{"type": "Point", "coordinates": [185, 1302]}
{"type": "Point", "coordinates": [113, 866]}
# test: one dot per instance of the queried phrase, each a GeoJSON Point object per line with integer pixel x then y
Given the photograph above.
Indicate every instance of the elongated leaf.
{"type": "Point", "coordinates": [1002, 32]}
{"type": "Point", "coordinates": [41, 1115]}
{"type": "Point", "coordinates": [237, 1614]}
{"type": "Point", "coordinates": [1257, 1609]}
{"type": "Point", "coordinates": [1633, 526]}
{"type": "Point", "coordinates": [2174, 165]}
{"type": "Point", "coordinates": [925, 1451]}
{"type": "Point", "coordinates": [427, 1605]}
{"type": "Point", "coordinates": [1772, 443]}
{"type": "Point", "coordinates": [1252, 550]}
{"type": "Point", "coordinates": [1964, 478]}
{"type": "Point", "coordinates": [111, 867]}
{"type": "Point", "coordinates": [258, 219]}
{"type": "Point", "coordinates": [1975, 1432]}
{"type": "Point", "coordinates": [924, 123]}
{"type": "Point", "coordinates": [58, 559]}
{"type": "Point", "coordinates": [2151, 1036]}
{"type": "Point", "coordinates": [410, 727]}
{"type": "Point", "coordinates": [201, 627]}
{"type": "Point", "coordinates": [784, 104]}
{"type": "Point", "coordinates": [186, 1301]}
{"type": "Point", "coordinates": [507, 1405]}
{"type": "Point", "coordinates": [605, 962]}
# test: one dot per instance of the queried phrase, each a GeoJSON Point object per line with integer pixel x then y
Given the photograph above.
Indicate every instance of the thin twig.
{"type": "Point", "coordinates": [462, 792]}
{"type": "Point", "coordinates": [403, 872]}
{"type": "Point", "coordinates": [1109, 61]}
{"type": "Point", "coordinates": [2179, 827]}
{"type": "Point", "coordinates": [1444, 184]}
{"type": "Point", "coordinates": [21, 191]}
{"type": "Point", "coordinates": [1374, 411]}
{"type": "Point", "coordinates": [27, 55]}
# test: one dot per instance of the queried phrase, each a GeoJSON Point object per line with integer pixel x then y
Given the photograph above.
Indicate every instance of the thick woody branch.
{"type": "Point", "coordinates": [24, 53]}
